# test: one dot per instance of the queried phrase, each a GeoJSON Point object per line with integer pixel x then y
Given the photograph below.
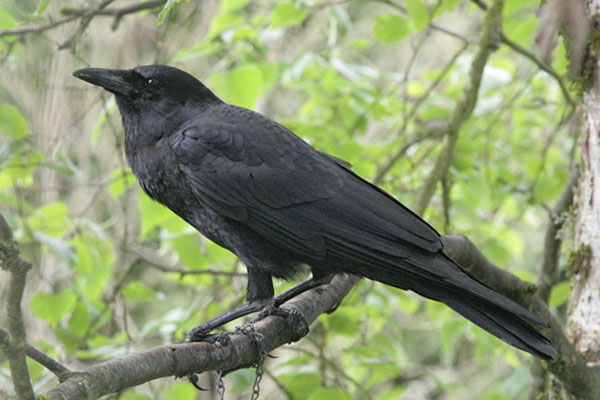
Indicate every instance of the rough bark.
{"type": "Point", "coordinates": [583, 325]}
{"type": "Point", "coordinates": [583, 322]}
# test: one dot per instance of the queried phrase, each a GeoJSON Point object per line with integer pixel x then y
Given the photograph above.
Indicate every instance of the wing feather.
{"type": "Point", "coordinates": [301, 199]}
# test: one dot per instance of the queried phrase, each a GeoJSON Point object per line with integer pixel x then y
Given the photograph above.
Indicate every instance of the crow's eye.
{"type": "Point", "coordinates": [151, 82]}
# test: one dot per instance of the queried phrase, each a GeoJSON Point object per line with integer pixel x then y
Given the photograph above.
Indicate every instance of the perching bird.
{"type": "Point", "coordinates": [252, 186]}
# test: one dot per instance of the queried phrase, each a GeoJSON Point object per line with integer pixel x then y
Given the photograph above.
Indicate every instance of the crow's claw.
{"type": "Point", "coordinates": [193, 378]}
{"type": "Point", "coordinates": [293, 317]}
{"type": "Point", "coordinates": [198, 334]}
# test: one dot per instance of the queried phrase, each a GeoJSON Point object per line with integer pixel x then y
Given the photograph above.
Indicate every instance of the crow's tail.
{"type": "Point", "coordinates": [440, 279]}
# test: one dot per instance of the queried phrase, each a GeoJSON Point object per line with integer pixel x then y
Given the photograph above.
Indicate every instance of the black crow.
{"type": "Point", "coordinates": [252, 186]}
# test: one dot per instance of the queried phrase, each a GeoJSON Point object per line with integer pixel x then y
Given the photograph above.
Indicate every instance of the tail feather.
{"type": "Point", "coordinates": [505, 326]}
{"type": "Point", "coordinates": [483, 306]}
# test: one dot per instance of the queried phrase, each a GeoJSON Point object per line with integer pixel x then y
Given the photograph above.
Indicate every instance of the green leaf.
{"type": "Point", "coordinates": [223, 22]}
{"type": "Point", "coordinates": [240, 86]}
{"type": "Point", "coordinates": [390, 28]}
{"type": "Point", "coordinates": [61, 248]}
{"type": "Point", "coordinates": [418, 14]}
{"type": "Point", "coordinates": [51, 219]}
{"type": "Point", "coordinates": [344, 321]}
{"type": "Point", "coordinates": [445, 6]}
{"type": "Point", "coordinates": [198, 51]}
{"type": "Point", "coordinates": [233, 5]}
{"type": "Point", "coordinates": [302, 384]}
{"type": "Point", "coordinates": [80, 319]}
{"type": "Point", "coordinates": [165, 11]}
{"type": "Point", "coordinates": [286, 14]}
{"type": "Point", "coordinates": [181, 391]}
{"type": "Point", "coordinates": [67, 338]}
{"type": "Point", "coordinates": [155, 214]}
{"type": "Point", "coordinates": [7, 21]}
{"type": "Point", "coordinates": [42, 7]}
{"type": "Point", "coordinates": [513, 241]}
{"type": "Point", "coordinates": [560, 60]}
{"type": "Point", "coordinates": [12, 123]}
{"type": "Point", "coordinates": [240, 380]}
{"type": "Point", "coordinates": [188, 250]}
{"type": "Point", "coordinates": [121, 180]}
{"type": "Point", "coordinates": [133, 395]}
{"type": "Point", "coordinates": [560, 294]}
{"type": "Point", "coordinates": [331, 393]}
{"type": "Point", "coordinates": [138, 291]}
{"type": "Point", "coordinates": [52, 307]}
{"type": "Point", "coordinates": [392, 394]}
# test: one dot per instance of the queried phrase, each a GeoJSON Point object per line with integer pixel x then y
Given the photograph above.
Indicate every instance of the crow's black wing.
{"type": "Point", "coordinates": [255, 171]}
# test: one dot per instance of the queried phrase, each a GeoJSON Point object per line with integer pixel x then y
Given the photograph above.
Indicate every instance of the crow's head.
{"type": "Point", "coordinates": [154, 100]}
{"type": "Point", "coordinates": [147, 83]}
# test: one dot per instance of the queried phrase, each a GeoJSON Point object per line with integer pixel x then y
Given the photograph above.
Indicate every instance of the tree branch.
{"type": "Point", "coordinates": [115, 12]}
{"type": "Point", "coordinates": [183, 359]}
{"type": "Point", "coordinates": [71, 14]}
{"type": "Point", "coordinates": [49, 363]}
{"type": "Point", "coordinates": [14, 345]}
{"type": "Point", "coordinates": [464, 108]}
{"type": "Point", "coordinates": [540, 64]}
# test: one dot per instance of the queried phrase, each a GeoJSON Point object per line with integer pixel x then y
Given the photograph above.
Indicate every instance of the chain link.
{"type": "Point", "coordinates": [220, 386]}
{"type": "Point", "coordinates": [257, 379]}
{"type": "Point", "coordinates": [258, 339]}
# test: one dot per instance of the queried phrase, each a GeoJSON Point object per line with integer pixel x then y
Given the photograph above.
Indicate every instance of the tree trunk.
{"type": "Point", "coordinates": [583, 320]}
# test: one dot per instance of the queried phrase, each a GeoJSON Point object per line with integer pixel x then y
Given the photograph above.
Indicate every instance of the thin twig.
{"type": "Point", "coordinates": [465, 106]}
{"type": "Point", "coordinates": [72, 14]}
{"type": "Point", "coordinates": [84, 22]}
{"type": "Point", "coordinates": [49, 363]}
{"type": "Point", "coordinates": [184, 272]}
{"type": "Point", "coordinates": [540, 63]}
{"type": "Point", "coordinates": [25, 29]}
{"type": "Point", "coordinates": [433, 134]}
{"type": "Point", "coordinates": [115, 12]}
{"type": "Point", "coordinates": [397, 156]}
{"type": "Point", "coordinates": [155, 262]}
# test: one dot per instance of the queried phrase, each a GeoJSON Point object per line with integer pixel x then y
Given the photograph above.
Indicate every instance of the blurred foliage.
{"type": "Point", "coordinates": [360, 80]}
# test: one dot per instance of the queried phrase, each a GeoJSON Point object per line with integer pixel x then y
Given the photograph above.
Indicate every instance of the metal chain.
{"type": "Point", "coordinates": [220, 386]}
{"type": "Point", "coordinates": [258, 339]}
{"type": "Point", "coordinates": [257, 379]}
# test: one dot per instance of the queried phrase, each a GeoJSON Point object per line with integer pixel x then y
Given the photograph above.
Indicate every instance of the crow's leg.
{"type": "Point", "coordinates": [292, 316]}
{"type": "Point", "coordinates": [301, 288]}
{"type": "Point", "coordinates": [260, 292]}
{"type": "Point", "coordinates": [260, 298]}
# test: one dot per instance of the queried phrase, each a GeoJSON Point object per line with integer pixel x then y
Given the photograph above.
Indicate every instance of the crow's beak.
{"type": "Point", "coordinates": [117, 81]}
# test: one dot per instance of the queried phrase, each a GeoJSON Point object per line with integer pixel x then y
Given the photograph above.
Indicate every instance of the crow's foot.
{"type": "Point", "coordinates": [200, 332]}
{"type": "Point", "coordinates": [296, 320]}
{"type": "Point", "coordinates": [218, 339]}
